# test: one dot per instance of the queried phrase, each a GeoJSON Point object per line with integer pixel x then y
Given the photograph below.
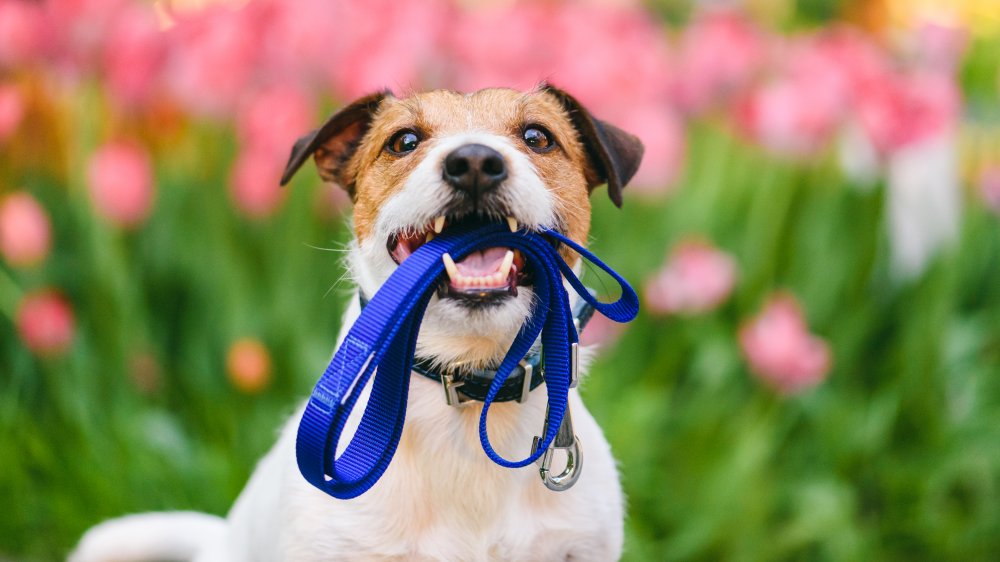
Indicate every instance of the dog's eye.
{"type": "Point", "coordinates": [537, 138]}
{"type": "Point", "coordinates": [403, 142]}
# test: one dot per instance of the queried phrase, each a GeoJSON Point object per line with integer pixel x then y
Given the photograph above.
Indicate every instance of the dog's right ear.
{"type": "Point", "coordinates": [333, 144]}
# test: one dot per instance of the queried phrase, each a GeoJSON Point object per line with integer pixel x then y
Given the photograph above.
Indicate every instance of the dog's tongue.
{"type": "Point", "coordinates": [482, 263]}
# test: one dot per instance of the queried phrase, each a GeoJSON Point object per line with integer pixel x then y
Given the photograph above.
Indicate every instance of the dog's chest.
{"type": "Point", "coordinates": [407, 518]}
{"type": "Point", "coordinates": [442, 499]}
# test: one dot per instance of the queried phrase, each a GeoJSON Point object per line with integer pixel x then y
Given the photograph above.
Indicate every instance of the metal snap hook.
{"type": "Point", "coordinates": [568, 477]}
{"type": "Point", "coordinates": [566, 440]}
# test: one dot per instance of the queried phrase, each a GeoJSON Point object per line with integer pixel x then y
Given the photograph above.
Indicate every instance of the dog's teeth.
{"type": "Point", "coordinates": [450, 267]}
{"type": "Point", "coordinates": [508, 260]}
{"type": "Point", "coordinates": [439, 224]}
{"type": "Point", "coordinates": [512, 223]}
{"type": "Point", "coordinates": [430, 236]}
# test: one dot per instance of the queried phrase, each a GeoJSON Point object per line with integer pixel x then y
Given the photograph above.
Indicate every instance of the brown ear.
{"type": "Point", "coordinates": [614, 154]}
{"type": "Point", "coordinates": [333, 144]}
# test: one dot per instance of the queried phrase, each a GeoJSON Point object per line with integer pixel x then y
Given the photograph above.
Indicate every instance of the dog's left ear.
{"type": "Point", "coordinates": [333, 144]}
{"type": "Point", "coordinates": [614, 154]}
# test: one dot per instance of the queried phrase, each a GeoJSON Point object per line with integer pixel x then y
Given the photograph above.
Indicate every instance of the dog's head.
{"type": "Point", "coordinates": [416, 165]}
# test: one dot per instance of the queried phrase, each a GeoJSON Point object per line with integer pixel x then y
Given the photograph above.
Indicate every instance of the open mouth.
{"type": "Point", "coordinates": [486, 275]}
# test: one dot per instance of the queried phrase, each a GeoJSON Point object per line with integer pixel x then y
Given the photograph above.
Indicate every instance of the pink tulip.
{"type": "Point", "coordinates": [989, 187]}
{"type": "Point", "coordinates": [522, 44]}
{"type": "Point", "coordinates": [780, 349]}
{"type": "Point", "coordinates": [120, 178]}
{"type": "Point", "coordinates": [898, 110]}
{"type": "Point", "coordinates": [272, 119]}
{"type": "Point", "coordinates": [77, 32]}
{"type": "Point", "coordinates": [720, 52]}
{"type": "Point", "coordinates": [384, 43]}
{"type": "Point", "coordinates": [25, 232]}
{"type": "Point", "coordinates": [254, 184]}
{"type": "Point", "coordinates": [22, 35]}
{"type": "Point", "coordinates": [940, 45]}
{"type": "Point", "coordinates": [501, 46]}
{"type": "Point", "coordinates": [807, 99]}
{"type": "Point", "coordinates": [295, 37]}
{"type": "Point", "coordinates": [212, 59]}
{"type": "Point", "coordinates": [696, 279]}
{"type": "Point", "coordinates": [593, 70]}
{"type": "Point", "coordinates": [842, 58]}
{"type": "Point", "coordinates": [11, 111]}
{"type": "Point", "coordinates": [133, 54]}
{"type": "Point", "coordinates": [601, 332]}
{"type": "Point", "coordinates": [791, 117]}
{"type": "Point", "coordinates": [45, 323]}
{"type": "Point", "coordinates": [248, 365]}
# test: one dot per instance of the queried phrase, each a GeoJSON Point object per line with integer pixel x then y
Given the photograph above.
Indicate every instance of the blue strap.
{"type": "Point", "coordinates": [384, 337]}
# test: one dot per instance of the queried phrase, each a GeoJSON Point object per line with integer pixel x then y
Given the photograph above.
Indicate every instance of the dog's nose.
{"type": "Point", "coordinates": [474, 169]}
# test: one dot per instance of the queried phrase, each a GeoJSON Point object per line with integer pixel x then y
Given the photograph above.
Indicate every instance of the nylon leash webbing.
{"type": "Point", "coordinates": [384, 337]}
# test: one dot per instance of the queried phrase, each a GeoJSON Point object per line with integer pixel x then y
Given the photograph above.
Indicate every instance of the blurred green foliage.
{"type": "Point", "coordinates": [895, 457]}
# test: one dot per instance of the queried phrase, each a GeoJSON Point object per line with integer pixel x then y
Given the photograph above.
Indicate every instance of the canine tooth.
{"type": "Point", "coordinates": [449, 265]}
{"type": "Point", "coordinates": [439, 224]}
{"type": "Point", "coordinates": [512, 223]}
{"type": "Point", "coordinates": [508, 260]}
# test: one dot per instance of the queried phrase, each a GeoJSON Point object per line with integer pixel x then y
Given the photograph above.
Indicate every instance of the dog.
{"type": "Point", "coordinates": [413, 166]}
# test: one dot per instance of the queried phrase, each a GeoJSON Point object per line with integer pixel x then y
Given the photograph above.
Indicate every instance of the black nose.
{"type": "Point", "coordinates": [474, 169]}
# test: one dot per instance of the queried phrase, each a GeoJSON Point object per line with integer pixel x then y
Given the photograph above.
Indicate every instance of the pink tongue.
{"type": "Point", "coordinates": [482, 263]}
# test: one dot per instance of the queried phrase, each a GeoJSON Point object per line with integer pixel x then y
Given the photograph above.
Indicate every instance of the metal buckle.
{"type": "Point", "coordinates": [574, 365]}
{"type": "Point", "coordinates": [529, 370]}
{"type": "Point", "coordinates": [566, 440]}
{"type": "Point", "coordinates": [452, 395]}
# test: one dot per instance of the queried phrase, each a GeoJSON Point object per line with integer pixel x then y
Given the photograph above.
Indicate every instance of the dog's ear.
{"type": "Point", "coordinates": [333, 144]}
{"type": "Point", "coordinates": [614, 154]}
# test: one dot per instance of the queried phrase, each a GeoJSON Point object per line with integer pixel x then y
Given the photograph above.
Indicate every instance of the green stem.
{"type": "Point", "coordinates": [10, 295]}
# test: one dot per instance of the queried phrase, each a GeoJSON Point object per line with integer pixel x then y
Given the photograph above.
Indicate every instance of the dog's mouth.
{"type": "Point", "coordinates": [485, 276]}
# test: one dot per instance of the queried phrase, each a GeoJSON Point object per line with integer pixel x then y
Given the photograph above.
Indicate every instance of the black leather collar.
{"type": "Point", "coordinates": [463, 385]}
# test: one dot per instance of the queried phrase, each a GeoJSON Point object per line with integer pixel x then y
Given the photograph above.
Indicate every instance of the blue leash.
{"type": "Point", "coordinates": [385, 335]}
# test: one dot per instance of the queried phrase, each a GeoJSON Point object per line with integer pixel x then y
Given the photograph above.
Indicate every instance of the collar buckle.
{"type": "Point", "coordinates": [452, 395]}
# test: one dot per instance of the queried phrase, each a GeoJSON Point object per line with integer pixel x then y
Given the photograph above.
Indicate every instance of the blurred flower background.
{"type": "Point", "coordinates": [816, 229]}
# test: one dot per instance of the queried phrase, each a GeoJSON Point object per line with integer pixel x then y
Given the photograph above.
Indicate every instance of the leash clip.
{"type": "Point", "coordinates": [567, 441]}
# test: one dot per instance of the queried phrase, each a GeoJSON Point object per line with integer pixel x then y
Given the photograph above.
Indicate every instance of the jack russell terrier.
{"type": "Point", "coordinates": [412, 167]}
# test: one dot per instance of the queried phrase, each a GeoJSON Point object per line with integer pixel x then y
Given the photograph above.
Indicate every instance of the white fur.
{"type": "Point", "coordinates": [441, 497]}
{"type": "Point", "coordinates": [178, 535]}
